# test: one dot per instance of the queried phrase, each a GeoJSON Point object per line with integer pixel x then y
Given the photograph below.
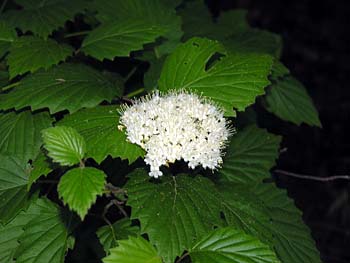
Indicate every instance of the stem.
{"type": "Point", "coordinates": [10, 86]}
{"type": "Point", "coordinates": [130, 74]}
{"type": "Point", "coordinates": [3, 6]}
{"type": "Point", "coordinates": [309, 177]}
{"type": "Point", "coordinates": [81, 33]}
{"type": "Point", "coordinates": [135, 92]}
{"type": "Point", "coordinates": [182, 257]}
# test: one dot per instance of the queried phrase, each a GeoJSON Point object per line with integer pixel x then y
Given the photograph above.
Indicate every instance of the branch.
{"type": "Point", "coordinates": [314, 178]}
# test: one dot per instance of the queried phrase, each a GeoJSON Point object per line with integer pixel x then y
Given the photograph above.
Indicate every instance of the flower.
{"type": "Point", "coordinates": [175, 126]}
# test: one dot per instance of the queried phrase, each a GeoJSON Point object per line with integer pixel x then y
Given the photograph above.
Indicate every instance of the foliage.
{"type": "Point", "coordinates": [64, 153]}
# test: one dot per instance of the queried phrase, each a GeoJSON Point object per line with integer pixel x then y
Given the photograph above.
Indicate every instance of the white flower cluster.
{"type": "Point", "coordinates": [176, 126]}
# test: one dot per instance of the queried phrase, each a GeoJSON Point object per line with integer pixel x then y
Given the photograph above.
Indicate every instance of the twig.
{"type": "Point", "coordinates": [10, 86]}
{"type": "Point", "coordinates": [134, 93]}
{"type": "Point", "coordinates": [182, 257]}
{"type": "Point", "coordinates": [81, 33]}
{"type": "Point", "coordinates": [309, 177]}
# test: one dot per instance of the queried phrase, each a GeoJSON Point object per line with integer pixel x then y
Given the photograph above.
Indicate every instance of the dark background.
{"type": "Point", "coordinates": [316, 50]}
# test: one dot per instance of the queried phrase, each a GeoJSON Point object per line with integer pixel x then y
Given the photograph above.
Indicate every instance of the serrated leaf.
{"type": "Point", "coordinates": [30, 53]}
{"type": "Point", "coordinates": [255, 41]}
{"type": "Point", "coordinates": [233, 81]}
{"type": "Point", "coordinates": [40, 166]}
{"type": "Point", "coordinates": [156, 12]}
{"type": "Point", "coordinates": [20, 133]}
{"type": "Point", "coordinates": [288, 99]}
{"type": "Point", "coordinates": [7, 37]}
{"type": "Point", "coordinates": [64, 145]}
{"type": "Point", "coordinates": [45, 235]}
{"type": "Point", "coordinates": [98, 126]}
{"type": "Point", "coordinates": [64, 87]}
{"type": "Point", "coordinates": [228, 23]}
{"type": "Point", "coordinates": [80, 187]}
{"type": "Point", "coordinates": [292, 239]}
{"type": "Point", "coordinates": [10, 233]}
{"type": "Point", "coordinates": [250, 155]}
{"type": "Point", "coordinates": [135, 249]}
{"type": "Point", "coordinates": [43, 17]}
{"type": "Point", "coordinates": [173, 212]}
{"type": "Point", "coordinates": [151, 77]}
{"type": "Point", "coordinates": [227, 245]}
{"type": "Point", "coordinates": [120, 37]}
{"type": "Point", "coordinates": [4, 78]}
{"type": "Point", "coordinates": [243, 211]}
{"type": "Point", "coordinates": [279, 71]}
{"type": "Point", "coordinates": [110, 234]}
{"type": "Point", "coordinates": [13, 192]}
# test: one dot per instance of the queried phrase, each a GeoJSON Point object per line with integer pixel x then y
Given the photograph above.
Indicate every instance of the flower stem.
{"type": "Point", "coordinates": [81, 33]}
{"type": "Point", "coordinates": [134, 93]}
{"type": "Point", "coordinates": [10, 86]}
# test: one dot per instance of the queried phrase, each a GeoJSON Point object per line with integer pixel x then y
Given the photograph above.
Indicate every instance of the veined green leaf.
{"type": "Point", "coordinates": [40, 166]}
{"type": "Point", "coordinates": [4, 78]}
{"type": "Point", "coordinates": [10, 233]}
{"type": "Point", "coordinates": [288, 99]}
{"type": "Point", "coordinates": [244, 211]}
{"type": "Point", "coordinates": [64, 87]}
{"type": "Point", "coordinates": [98, 126]}
{"type": "Point", "coordinates": [157, 12]}
{"type": "Point", "coordinates": [13, 192]}
{"type": "Point", "coordinates": [45, 235]}
{"type": "Point", "coordinates": [7, 37]}
{"type": "Point", "coordinates": [227, 245]}
{"type": "Point", "coordinates": [64, 145]}
{"type": "Point", "coordinates": [175, 212]}
{"type": "Point", "coordinates": [20, 133]}
{"type": "Point", "coordinates": [110, 234]}
{"type": "Point", "coordinates": [292, 239]}
{"type": "Point", "coordinates": [30, 53]}
{"type": "Point", "coordinates": [250, 155]}
{"type": "Point", "coordinates": [255, 41]}
{"type": "Point", "coordinates": [135, 249]}
{"type": "Point", "coordinates": [43, 17]}
{"type": "Point", "coordinates": [120, 37]}
{"type": "Point", "coordinates": [80, 187]}
{"type": "Point", "coordinates": [227, 24]}
{"type": "Point", "coordinates": [233, 81]}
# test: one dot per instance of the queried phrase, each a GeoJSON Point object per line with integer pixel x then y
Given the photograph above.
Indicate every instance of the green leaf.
{"type": "Point", "coordinates": [255, 41]}
{"type": "Point", "coordinates": [151, 77]}
{"type": "Point", "coordinates": [98, 126]}
{"type": "Point", "coordinates": [64, 87]}
{"type": "Point", "coordinates": [250, 155]}
{"type": "Point", "coordinates": [43, 17]}
{"type": "Point", "coordinates": [80, 187]}
{"type": "Point", "coordinates": [244, 211]}
{"type": "Point", "coordinates": [110, 234]}
{"type": "Point", "coordinates": [13, 191]}
{"type": "Point", "coordinates": [120, 37]}
{"type": "Point", "coordinates": [64, 145]}
{"type": "Point", "coordinates": [135, 249]}
{"type": "Point", "coordinates": [292, 239]}
{"type": "Point", "coordinates": [233, 81]}
{"type": "Point", "coordinates": [157, 12]}
{"type": "Point", "coordinates": [45, 235]}
{"type": "Point", "coordinates": [20, 133]}
{"type": "Point", "coordinates": [40, 166]}
{"type": "Point", "coordinates": [226, 24]}
{"type": "Point", "coordinates": [279, 71]}
{"type": "Point", "coordinates": [29, 53]}
{"type": "Point", "coordinates": [7, 36]}
{"type": "Point", "coordinates": [227, 245]}
{"type": "Point", "coordinates": [4, 78]}
{"type": "Point", "coordinates": [174, 212]}
{"type": "Point", "coordinates": [288, 99]}
{"type": "Point", "coordinates": [10, 233]}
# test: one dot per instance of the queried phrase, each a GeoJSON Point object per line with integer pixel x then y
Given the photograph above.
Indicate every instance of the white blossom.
{"type": "Point", "coordinates": [176, 126]}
